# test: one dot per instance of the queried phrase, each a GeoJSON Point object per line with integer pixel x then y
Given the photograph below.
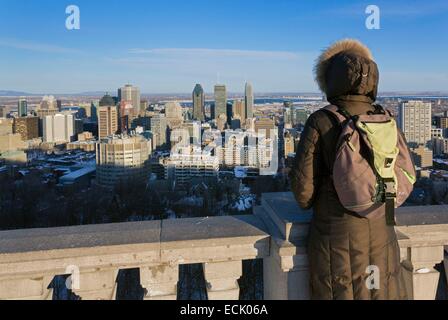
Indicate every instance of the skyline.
{"type": "Point", "coordinates": [165, 51]}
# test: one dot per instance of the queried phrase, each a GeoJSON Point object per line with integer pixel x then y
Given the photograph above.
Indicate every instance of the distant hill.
{"type": "Point", "coordinates": [11, 93]}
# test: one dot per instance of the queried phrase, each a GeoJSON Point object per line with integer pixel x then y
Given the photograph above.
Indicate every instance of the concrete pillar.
{"type": "Point", "coordinates": [31, 288]}
{"type": "Point", "coordinates": [286, 270]}
{"type": "Point", "coordinates": [286, 273]}
{"type": "Point", "coordinates": [420, 276]}
{"type": "Point", "coordinates": [160, 282]}
{"type": "Point", "coordinates": [99, 284]}
{"type": "Point", "coordinates": [222, 280]}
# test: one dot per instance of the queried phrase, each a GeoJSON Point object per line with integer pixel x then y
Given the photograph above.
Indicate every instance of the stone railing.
{"type": "Point", "coordinates": [276, 233]}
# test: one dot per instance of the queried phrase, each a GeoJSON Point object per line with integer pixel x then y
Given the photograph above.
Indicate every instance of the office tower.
{"type": "Point", "coordinates": [220, 102]}
{"type": "Point", "coordinates": [131, 95]}
{"type": "Point", "coordinates": [107, 121]}
{"type": "Point", "coordinates": [173, 113]}
{"type": "Point", "coordinates": [47, 107]}
{"type": "Point", "coordinates": [2, 111]}
{"type": "Point", "coordinates": [415, 121]}
{"type": "Point", "coordinates": [159, 128]}
{"type": "Point", "coordinates": [58, 128]}
{"type": "Point", "coordinates": [94, 111]}
{"type": "Point", "coordinates": [59, 105]}
{"type": "Point", "coordinates": [22, 107]}
{"type": "Point", "coordinates": [249, 100]}
{"type": "Point", "coordinates": [27, 127]}
{"type": "Point", "coordinates": [198, 97]}
{"type": "Point", "coordinates": [239, 110]}
{"type": "Point", "coordinates": [122, 159]}
{"type": "Point", "coordinates": [198, 103]}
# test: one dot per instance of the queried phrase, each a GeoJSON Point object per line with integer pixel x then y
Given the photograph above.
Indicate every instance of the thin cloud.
{"type": "Point", "coordinates": [36, 47]}
{"type": "Point", "coordinates": [204, 52]}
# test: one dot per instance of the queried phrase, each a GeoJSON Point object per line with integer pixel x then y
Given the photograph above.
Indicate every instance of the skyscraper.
{"type": "Point", "coordinates": [131, 95]}
{"type": "Point", "coordinates": [22, 107]}
{"type": "Point", "coordinates": [415, 122]}
{"type": "Point", "coordinates": [198, 103]}
{"type": "Point", "coordinates": [220, 101]}
{"type": "Point", "coordinates": [159, 128]}
{"type": "Point", "coordinates": [107, 121]}
{"type": "Point", "coordinates": [249, 100]}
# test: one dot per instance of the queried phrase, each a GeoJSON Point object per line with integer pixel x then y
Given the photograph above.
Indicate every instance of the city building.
{"type": "Point", "coordinates": [415, 122]}
{"type": "Point", "coordinates": [173, 114]}
{"type": "Point", "coordinates": [2, 111]}
{"type": "Point", "coordinates": [130, 95]}
{"type": "Point", "coordinates": [239, 110]}
{"type": "Point", "coordinates": [220, 108]}
{"type": "Point", "coordinates": [107, 121]}
{"type": "Point", "coordinates": [440, 146]}
{"type": "Point", "coordinates": [6, 126]}
{"type": "Point", "coordinates": [58, 128]}
{"type": "Point", "coordinates": [422, 156]}
{"type": "Point", "coordinates": [159, 129]}
{"type": "Point", "coordinates": [198, 103]}
{"type": "Point", "coordinates": [249, 100]}
{"type": "Point", "coordinates": [181, 168]}
{"type": "Point", "coordinates": [22, 107]}
{"type": "Point", "coordinates": [47, 107]}
{"type": "Point", "coordinates": [27, 127]}
{"type": "Point", "coordinates": [266, 126]}
{"type": "Point", "coordinates": [121, 159]}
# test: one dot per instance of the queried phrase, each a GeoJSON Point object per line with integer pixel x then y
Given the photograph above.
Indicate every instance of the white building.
{"type": "Point", "coordinates": [188, 163]}
{"type": "Point", "coordinates": [58, 128]}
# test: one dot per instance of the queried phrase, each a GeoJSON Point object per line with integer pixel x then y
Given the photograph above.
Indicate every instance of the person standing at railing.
{"type": "Point", "coordinates": [353, 254]}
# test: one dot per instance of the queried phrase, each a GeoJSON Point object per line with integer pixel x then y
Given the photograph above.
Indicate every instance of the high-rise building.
{"type": "Point", "coordinates": [239, 110]}
{"type": "Point", "coordinates": [220, 101]}
{"type": "Point", "coordinates": [107, 121]}
{"type": "Point", "coordinates": [121, 159]}
{"type": "Point", "coordinates": [27, 127]}
{"type": "Point", "coordinates": [198, 103]}
{"type": "Point", "coordinates": [159, 129]}
{"type": "Point", "coordinates": [59, 104]}
{"type": "Point", "coordinates": [415, 122]}
{"type": "Point", "coordinates": [2, 111]}
{"type": "Point", "coordinates": [131, 95]}
{"type": "Point", "coordinates": [22, 107]}
{"type": "Point", "coordinates": [249, 100]}
{"type": "Point", "coordinates": [59, 128]}
{"type": "Point", "coordinates": [94, 111]}
{"type": "Point", "coordinates": [173, 113]}
{"type": "Point", "coordinates": [47, 107]}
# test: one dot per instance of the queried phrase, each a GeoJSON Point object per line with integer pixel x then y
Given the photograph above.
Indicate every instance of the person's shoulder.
{"type": "Point", "coordinates": [319, 117]}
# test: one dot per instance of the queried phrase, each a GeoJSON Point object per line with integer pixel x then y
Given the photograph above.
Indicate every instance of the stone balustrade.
{"type": "Point", "coordinates": [93, 255]}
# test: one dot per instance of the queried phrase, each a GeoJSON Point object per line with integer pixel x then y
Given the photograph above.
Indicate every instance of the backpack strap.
{"type": "Point", "coordinates": [336, 112]}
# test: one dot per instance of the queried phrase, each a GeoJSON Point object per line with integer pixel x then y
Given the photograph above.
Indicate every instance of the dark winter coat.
{"type": "Point", "coordinates": [341, 244]}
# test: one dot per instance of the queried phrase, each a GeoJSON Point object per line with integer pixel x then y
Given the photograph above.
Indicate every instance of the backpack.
{"type": "Point", "coordinates": [373, 172]}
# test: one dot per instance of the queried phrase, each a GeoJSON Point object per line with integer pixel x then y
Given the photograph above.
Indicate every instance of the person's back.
{"type": "Point", "coordinates": [342, 245]}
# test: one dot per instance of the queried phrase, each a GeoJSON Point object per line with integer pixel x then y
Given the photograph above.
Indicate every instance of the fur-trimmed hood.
{"type": "Point", "coordinates": [347, 67]}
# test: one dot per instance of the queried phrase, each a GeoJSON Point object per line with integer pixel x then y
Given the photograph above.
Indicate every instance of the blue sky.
{"type": "Point", "coordinates": [168, 46]}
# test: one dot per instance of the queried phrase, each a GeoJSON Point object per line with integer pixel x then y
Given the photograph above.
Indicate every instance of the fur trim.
{"type": "Point", "coordinates": [348, 45]}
